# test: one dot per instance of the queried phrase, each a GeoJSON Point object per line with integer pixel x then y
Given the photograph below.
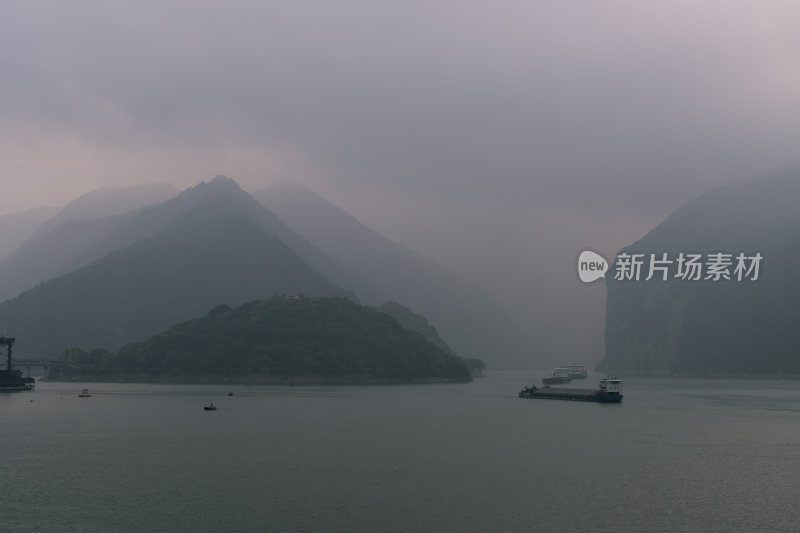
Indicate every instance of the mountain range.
{"type": "Point", "coordinates": [16, 228]}
{"type": "Point", "coordinates": [108, 201]}
{"type": "Point", "coordinates": [104, 282]}
{"type": "Point", "coordinates": [59, 244]}
{"type": "Point", "coordinates": [470, 321]}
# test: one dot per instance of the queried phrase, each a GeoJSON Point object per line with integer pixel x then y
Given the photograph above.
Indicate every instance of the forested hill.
{"type": "Point", "coordinates": [281, 338]}
{"type": "Point", "coordinates": [415, 322]}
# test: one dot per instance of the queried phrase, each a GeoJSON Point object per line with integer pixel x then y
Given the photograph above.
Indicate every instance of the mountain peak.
{"type": "Point", "coordinates": [221, 182]}
{"type": "Point", "coordinates": [217, 185]}
{"type": "Point", "coordinates": [220, 178]}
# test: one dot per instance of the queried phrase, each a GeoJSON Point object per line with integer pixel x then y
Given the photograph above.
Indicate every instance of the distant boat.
{"type": "Point", "coordinates": [84, 394]}
{"type": "Point", "coordinates": [574, 371]}
{"type": "Point", "coordinates": [559, 377]}
{"type": "Point", "coordinates": [211, 407]}
{"type": "Point", "coordinates": [565, 374]}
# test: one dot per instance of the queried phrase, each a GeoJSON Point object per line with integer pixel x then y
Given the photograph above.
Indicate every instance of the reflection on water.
{"type": "Point", "coordinates": [676, 455]}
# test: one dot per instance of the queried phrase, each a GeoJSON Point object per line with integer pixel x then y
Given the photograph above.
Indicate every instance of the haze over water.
{"type": "Point", "coordinates": [676, 455]}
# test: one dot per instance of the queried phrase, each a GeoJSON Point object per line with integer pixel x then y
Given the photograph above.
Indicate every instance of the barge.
{"type": "Point", "coordinates": [609, 392]}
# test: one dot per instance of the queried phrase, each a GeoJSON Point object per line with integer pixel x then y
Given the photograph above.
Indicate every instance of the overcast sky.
{"type": "Point", "coordinates": [523, 129]}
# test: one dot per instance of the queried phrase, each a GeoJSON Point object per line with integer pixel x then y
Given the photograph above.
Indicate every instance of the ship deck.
{"type": "Point", "coordinates": [564, 394]}
{"type": "Point", "coordinates": [569, 391]}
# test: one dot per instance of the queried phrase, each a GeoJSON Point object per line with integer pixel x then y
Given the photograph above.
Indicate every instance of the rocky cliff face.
{"type": "Point", "coordinates": [705, 327]}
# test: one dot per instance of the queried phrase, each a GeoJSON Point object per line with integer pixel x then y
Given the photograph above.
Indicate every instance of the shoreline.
{"type": "Point", "coordinates": [259, 380]}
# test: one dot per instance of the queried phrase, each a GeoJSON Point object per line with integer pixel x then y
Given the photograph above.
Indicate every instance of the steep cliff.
{"type": "Point", "coordinates": [704, 327]}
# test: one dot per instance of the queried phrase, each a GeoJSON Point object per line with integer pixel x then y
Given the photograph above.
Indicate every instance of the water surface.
{"type": "Point", "coordinates": [676, 455]}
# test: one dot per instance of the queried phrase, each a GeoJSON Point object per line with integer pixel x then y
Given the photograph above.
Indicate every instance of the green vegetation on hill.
{"type": "Point", "coordinates": [419, 324]}
{"type": "Point", "coordinates": [283, 337]}
{"type": "Point", "coordinates": [415, 322]}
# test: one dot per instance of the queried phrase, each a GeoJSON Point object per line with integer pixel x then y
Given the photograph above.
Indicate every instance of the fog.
{"type": "Point", "coordinates": [496, 138]}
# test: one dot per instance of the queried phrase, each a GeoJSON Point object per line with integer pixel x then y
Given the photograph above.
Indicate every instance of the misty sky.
{"type": "Point", "coordinates": [497, 137]}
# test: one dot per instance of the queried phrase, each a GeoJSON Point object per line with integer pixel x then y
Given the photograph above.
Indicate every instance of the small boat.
{"type": "Point", "coordinates": [230, 394]}
{"type": "Point", "coordinates": [84, 394]}
{"type": "Point", "coordinates": [211, 407]}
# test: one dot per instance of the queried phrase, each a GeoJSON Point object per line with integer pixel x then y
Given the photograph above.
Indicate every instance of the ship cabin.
{"type": "Point", "coordinates": [611, 385]}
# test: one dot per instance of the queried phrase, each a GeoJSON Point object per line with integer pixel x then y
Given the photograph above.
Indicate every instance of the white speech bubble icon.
{"type": "Point", "coordinates": [591, 266]}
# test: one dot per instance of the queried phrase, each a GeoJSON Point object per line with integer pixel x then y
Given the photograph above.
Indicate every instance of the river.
{"type": "Point", "coordinates": [676, 455]}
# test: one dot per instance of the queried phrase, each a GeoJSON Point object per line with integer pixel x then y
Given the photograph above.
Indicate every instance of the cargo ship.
{"type": "Point", "coordinates": [10, 379]}
{"type": "Point", "coordinates": [609, 392]}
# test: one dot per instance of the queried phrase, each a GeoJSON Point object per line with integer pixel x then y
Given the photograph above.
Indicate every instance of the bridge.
{"type": "Point", "coordinates": [32, 362]}
{"type": "Point", "coordinates": [29, 362]}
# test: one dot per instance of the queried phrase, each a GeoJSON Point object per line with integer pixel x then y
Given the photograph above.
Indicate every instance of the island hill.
{"type": "Point", "coordinates": [284, 339]}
